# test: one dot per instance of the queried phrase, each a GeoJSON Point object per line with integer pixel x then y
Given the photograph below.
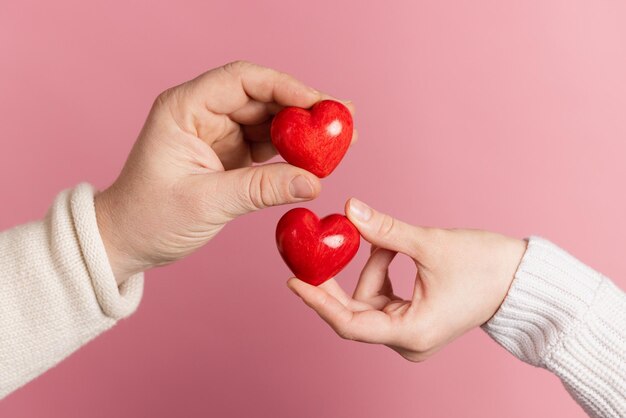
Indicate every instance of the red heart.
{"type": "Point", "coordinates": [316, 250]}
{"type": "Point", "coordinates": [315, 140]}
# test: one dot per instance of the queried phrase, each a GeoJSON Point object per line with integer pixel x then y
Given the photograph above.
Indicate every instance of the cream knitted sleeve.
{"type": "Point", "coordinates": [565, 317]}
{"type": "Point", "coordinates": [57, 290]}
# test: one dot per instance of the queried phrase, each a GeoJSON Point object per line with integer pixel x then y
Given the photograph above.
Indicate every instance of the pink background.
{"type": "Point", "coordinates": [489, 114]}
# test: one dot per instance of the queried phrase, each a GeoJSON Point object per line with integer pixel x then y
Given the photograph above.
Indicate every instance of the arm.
{"type": "Point", "coordinates": [70, 277]}
{"type": "Point", "coordinates": [558, 314]}
{"type": "Point", "coordinates": [565, 317]}
{"type": "Point", "coordinates": [57, 290]}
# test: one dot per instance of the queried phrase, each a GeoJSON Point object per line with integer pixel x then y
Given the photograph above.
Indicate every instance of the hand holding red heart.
{"type": "Point", "coordinates": [462, 275]}
{"type": "Point", "coordinates": [190, 171]}
{"type": "Point", "coordinates": [462, 278]}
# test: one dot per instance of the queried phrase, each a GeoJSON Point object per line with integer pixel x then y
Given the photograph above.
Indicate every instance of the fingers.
{"type": "Point", "coordinates": [245, 92]}
{"type": "Point", "coordinates": [257, 133]}
{"type": "Point", "coordinates": [252, 113]}
{"type": "Point", "coordinates": [355, 137]}
{"type": "Point", "coordinates": [258, 136]}
{"type": "Point", "coordinates": [248, 189]}
{"type": "Point", "coordinates": [346, 103]}
{"type": "Point", "coordinates": [239, 95]}
{"type": "Point", "coordinates": [248, 93]}
{"type": "Point", "coordinates": [383, 230]}
{"type": "Point", "coordinates": [373, 281]}
{"type": "Point", "coordinates": [367, 326]}
{"type": "Point", "coordinates": [262, 151]}
{"type": "Point", "coordinates": [332, 287]}
{"type": "Point", "coordinates": [234, 152]}
{"type": "Point", "coordinates": [267, 85]}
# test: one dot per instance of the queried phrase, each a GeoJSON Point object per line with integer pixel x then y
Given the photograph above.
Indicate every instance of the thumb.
{"type": "Point", "coordinates": [384, 231]}
{"type": "Point", "coordinates": [252, 188]}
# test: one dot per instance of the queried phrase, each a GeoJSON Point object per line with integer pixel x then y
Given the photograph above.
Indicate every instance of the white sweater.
{"type": "Point", "coordinates": [57, 292]}
{"type": "Point", "coordinates": [563, 316]}
{"type": "Point", "coordinates": [57, 289]}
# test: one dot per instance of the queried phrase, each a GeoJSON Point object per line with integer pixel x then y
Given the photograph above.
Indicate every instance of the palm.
{"type": "Point", "coordinates": [373, 309]}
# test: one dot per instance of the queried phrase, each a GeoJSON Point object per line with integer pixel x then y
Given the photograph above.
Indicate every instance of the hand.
{"type": "Point", "coordinates": [462, 278]}
{"type": "Point", "coordinates": [189, 172]}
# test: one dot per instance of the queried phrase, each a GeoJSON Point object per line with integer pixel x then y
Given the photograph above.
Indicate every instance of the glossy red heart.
{"type": "Point", "coordinates": [315, 139]}
{"type": "Point", "coordinates": [316, 249]}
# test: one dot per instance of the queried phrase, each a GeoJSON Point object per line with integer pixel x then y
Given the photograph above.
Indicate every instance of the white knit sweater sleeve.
{"type": "Point", "coordinates": [57, 289]}
{"type": "Point", "coordinates": [565, 317]}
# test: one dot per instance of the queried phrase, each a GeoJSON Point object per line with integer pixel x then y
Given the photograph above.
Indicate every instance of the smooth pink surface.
{"type": "Point", "coordinates": [489, 114]}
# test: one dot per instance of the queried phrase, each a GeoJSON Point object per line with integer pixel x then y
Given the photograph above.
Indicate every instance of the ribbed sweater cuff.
{"type": "Point", "coordinates": [565, 317]}
{"type": "Point", "coordinates": [548, 299]}
{"type": "Point", "coordinates": [115, 302]}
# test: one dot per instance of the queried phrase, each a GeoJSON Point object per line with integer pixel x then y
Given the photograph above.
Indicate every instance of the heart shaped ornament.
{"type": "Point", "coordinates": [316, 249]}
{"type": "Point", "coordinates": [315, 139]}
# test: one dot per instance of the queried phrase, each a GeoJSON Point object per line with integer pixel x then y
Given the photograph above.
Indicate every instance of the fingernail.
{"type": "Point", "coordinates": [300, 188]}
{"type": "Point", "coordinates": [360, 210]}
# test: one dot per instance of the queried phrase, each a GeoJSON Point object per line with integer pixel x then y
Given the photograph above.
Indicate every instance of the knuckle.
{"type": "Point", "coordinates": [254, 190]}
{"type": "Point", "coordinates": [165, 97]}
{"type": "Point", "coordinates": [261, 190]}
{"type": "Point", "coordinates": [344, 332]}
{"type": "Point", "coordinates": [171, 102]}
{"type": "Point", "coordinates": [387, 226]}
{"type": "Point", "coordinates": [236, 67]}
{"type": "Point", "coordinates": [319, 303]}
{"type": "Point", "coordinates": [283, 77]}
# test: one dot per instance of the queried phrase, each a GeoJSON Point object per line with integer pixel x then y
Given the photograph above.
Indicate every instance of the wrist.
{"type": "Point", "coordinates": [551, 294]}
{"type": "Point", "coordinates": [511, 253]}
{"type": "Point", "coordinates": [114, 238]}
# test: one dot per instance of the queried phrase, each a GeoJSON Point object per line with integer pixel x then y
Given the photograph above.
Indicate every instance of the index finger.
{"type": "Point", "coordinates": [229, 88]}
{"type": "Point", "coordinates": [249, 93]}
{"type": "Point", "coordinates": [366, 326]}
